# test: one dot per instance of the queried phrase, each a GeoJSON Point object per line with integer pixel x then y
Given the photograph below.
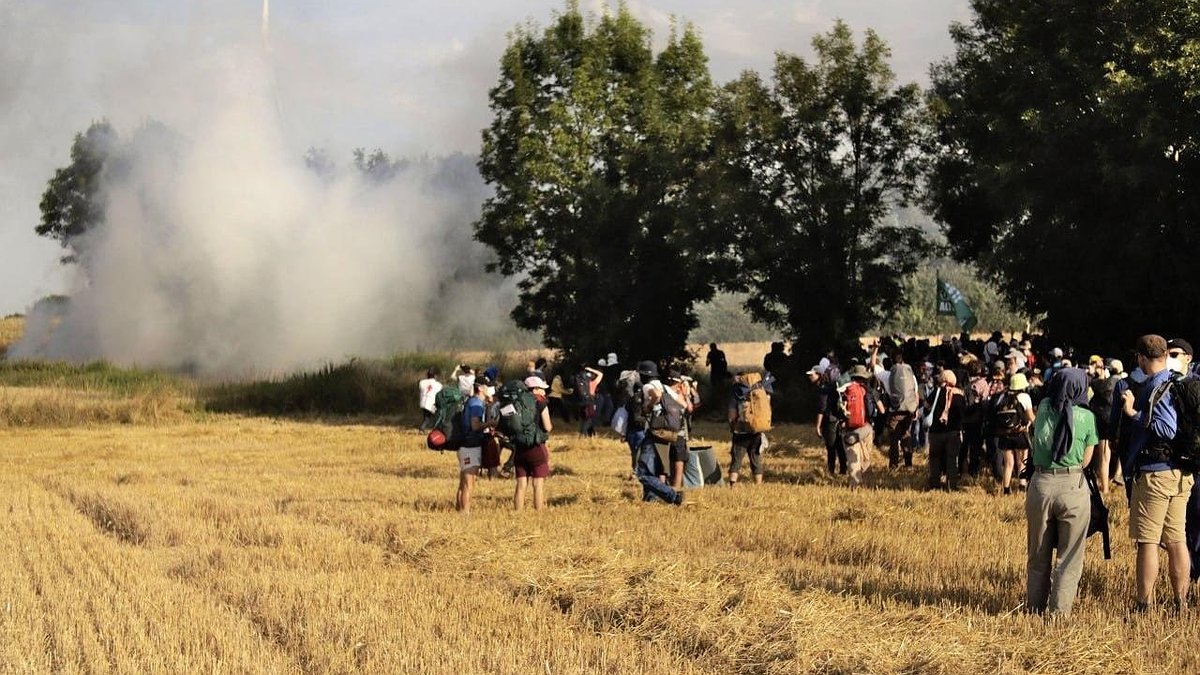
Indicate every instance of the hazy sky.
{"type": "Point", "coordinates": [410, 77]}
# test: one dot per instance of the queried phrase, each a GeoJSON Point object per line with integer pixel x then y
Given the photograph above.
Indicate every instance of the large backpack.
{"type": "Point", "coordinates": [667, 419]}
{"type": "Point", "coordinates": [519, 416]}
{"type": "Point", "coordinates": [447, 418]}
{"type": "Point", "coordinates": [854, 405]}
{"type": "Point", "coordinates": [583, 388]}
{"type": "Point", "coordinates": [902, 388]}
{"type": "Point", "coordinates": [1008, 415]}
{"type": "Point", "coordinates": [976, 401]}
{"type": "Point", "coordinates": [1185, 398]}
{"type": "Point", "coordinates": [753, 404]}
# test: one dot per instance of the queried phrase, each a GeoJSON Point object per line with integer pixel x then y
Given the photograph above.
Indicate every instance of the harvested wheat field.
{"type": "Point", "coordinates": [241, 545]}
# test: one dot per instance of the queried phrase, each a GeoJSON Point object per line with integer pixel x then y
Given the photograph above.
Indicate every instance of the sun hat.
{"type": "Point", "coordinates": [535, 382]}
{"type": "Point", "coordinates": [1019, 382]}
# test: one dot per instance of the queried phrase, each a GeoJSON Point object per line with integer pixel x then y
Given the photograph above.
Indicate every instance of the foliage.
{"type": "Point", "coordinates": [72, 204]}
{"type": "Point", "coordinates": [1068, 161]}
{"type": "Point", "coordinates": [812, 166]}
{"type": "Point", "coordinates": [725, 319]}
{"type": "Point", "coordinates": [917, 313]}
{"type": "Point", "coordinates": [595, 154]}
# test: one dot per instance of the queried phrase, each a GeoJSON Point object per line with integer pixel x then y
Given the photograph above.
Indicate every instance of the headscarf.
{"type": "Point", "coordinates": [1067, 389]}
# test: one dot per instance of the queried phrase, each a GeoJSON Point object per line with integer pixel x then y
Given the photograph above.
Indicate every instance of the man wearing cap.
{"type": "Point", "coordinates": [829, 419]}
{"type": "Point", "coordinates": [1181, 350]}
{"type": "Point", "coordinates": [859, 441]}
{"type": "Point", "coordinates": [1160, 490]}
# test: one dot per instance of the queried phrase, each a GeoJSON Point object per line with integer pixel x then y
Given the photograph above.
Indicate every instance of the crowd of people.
{"type": "Point", "coordinates": [1039, 421]}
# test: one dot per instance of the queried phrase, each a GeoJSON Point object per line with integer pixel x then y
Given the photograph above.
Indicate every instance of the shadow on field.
{"type": "Point", "coordinates": [881, 590]}
{"type": "Point", "coordinates": [402, 471]}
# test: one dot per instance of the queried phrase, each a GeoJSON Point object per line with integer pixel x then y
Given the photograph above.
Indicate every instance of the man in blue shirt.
{"type": "Point", "coordinates": [470, 455]}
{"type": "Point", "coordinates": [1160, 490]}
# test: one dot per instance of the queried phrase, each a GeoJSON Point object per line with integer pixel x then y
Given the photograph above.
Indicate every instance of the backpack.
{"type": "Point", "coordinates": [447, 419]}
{"type": "Point", "coordinates": [1102, 397]}
{"type": "Point", "coordinates": [854, 405]}
{"type": "Point", "coordinates": [519, 416]}
{"type": "Point", "coordinates": [667, 419]}
{"type": "Point", "coordinates": [583, 388]}
{"type": "Point", "coordinates": [976, 401]}
{"type": "Point", "coordinates": [753, 405]}
{"type": "Point", "coordinates": [1184, 451]}
{"type": "Point", "coordinates": [1008, 415]}
{"type": "Point", "coordinates": [902, 388]}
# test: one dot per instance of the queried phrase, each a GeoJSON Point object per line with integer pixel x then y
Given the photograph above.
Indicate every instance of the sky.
{"type": "Point", "coordinates": [409, 77]}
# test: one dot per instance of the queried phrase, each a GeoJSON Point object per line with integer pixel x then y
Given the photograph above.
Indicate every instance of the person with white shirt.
{"type": "Point", "coordinates": [428, 389]}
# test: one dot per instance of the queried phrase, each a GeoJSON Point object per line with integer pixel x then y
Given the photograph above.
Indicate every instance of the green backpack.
{"type": "Point", "coordinates": [519, 416]}
{"type": "Point", "coordinates": [447, 418]}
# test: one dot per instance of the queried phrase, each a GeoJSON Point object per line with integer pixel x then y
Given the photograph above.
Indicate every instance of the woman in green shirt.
{"type": "Point", "coordinates": [1057, 505]}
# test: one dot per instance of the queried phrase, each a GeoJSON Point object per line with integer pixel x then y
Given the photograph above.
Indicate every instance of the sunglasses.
{"type": "Point", "coordinates": [1175, 354]}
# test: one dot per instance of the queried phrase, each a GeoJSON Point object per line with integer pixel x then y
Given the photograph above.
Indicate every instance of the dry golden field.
{"type": "Point", "coordinates": [237, 545]}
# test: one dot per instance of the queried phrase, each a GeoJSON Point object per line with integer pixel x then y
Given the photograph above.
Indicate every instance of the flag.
{"type": "Point", "coordinates": [950, 302]}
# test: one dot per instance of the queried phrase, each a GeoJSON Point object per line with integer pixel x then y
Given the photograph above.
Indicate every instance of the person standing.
{"type": "Point", "coordinates": [559, 396]}
{"type": "Point", "coordinates": [750, 398]}
{"type": "Point", "coordinates": [718, 366]}
{"type": "Point", "coordinates": [1058, 505]}
{"type": "Point", "coordinates": [427, 390]}
{"type": "Point", "coordinates": [945, 431]}
{"type": "Point", "coordinates": [1011, 413]}
{"type": "Point", "coordinates": [532, 464]}
{"type": "Point", "coordinates": [900, 383]}
{"type": "Point", "coordinates": [587, 380]}
{"type": "Point", "coordinates": [1181, 350]}
{"type": "Point", "coordinates": [1160, 490]}
{"type": "Point", "coordinates": [470, 455]}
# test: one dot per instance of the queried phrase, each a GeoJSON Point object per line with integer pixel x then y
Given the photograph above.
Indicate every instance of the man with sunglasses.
{"type": "Point", "coordinates": [1181, 350]}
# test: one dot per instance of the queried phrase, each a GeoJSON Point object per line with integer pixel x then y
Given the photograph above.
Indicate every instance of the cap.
{"type": "Point", "coordinates": [1056, 353]}
{"type": "Point", "coordinates": [1181, 344]}
{"type": "Point", "coordinates": [815, 370]}
{"type": "Point", "coordinates": [602, 363]}
{"type": "Point", "coordinates": [998, 367]}
{"type": "Point", "coordinates": [535, 382]}
{"type": "Point", "coordinates": [648, 369]}
{"type": "Point", "coordinates": [612, 359]}
{"type": "Point", "coordinates": [1095, 358]}
{"type": "Point", "coordinates": [1019, 382]}
{"type": "Point", "coordinates": [1116, 366]}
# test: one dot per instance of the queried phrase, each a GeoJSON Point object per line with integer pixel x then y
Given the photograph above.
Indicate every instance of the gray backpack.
{"type": "Point", "coordinates": [902, 388]}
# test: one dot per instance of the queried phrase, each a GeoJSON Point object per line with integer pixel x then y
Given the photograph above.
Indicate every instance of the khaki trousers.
{"type": "Point", "coordinates": [1057, 510]}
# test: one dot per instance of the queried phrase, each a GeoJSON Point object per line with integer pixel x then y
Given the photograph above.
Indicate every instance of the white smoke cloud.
{"type": "Point", "coordinates": [225, 254]}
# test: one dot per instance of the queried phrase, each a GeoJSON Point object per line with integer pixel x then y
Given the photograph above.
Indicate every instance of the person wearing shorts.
{"type": "Point", "coordinates": [1158, 506]}
{"type": "Point", "coordinates": [470, 455]}
{"type": "Point", "coordinates": [532, 465]}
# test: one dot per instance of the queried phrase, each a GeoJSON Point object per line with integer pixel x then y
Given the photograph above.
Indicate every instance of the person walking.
{"type": "Point", "coordinates": [829, 419]}
{"type": "Point", "coordinates": [1057, 504]}
{"type": "Point", "coordinates": [470, 455]}
{"type": "Point", "coordinates": [859, 436]}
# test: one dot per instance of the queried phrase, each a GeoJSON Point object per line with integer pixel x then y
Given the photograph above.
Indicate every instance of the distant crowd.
{"type": "Point", "coordinates": [1033, 415]}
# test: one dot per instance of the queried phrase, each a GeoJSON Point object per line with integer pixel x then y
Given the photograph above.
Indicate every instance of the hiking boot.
{"type": "Point", "coordinates": [1139, 607]}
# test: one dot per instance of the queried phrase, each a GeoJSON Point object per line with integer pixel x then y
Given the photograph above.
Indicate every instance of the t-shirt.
{"type": "Point", "coordinates": [474, 410]}
{"type": "Point", "coordinates": [429, 388]}
{"type": "Point", "coordinates": [1043, 436]}
{"type": "Point", "coordinates": [466, 384]}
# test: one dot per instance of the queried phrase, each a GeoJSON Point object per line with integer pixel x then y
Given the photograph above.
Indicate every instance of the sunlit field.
{"type": "Point", "coordinates": [241, 545]}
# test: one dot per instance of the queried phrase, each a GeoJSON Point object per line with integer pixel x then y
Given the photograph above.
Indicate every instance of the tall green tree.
{"type": "Point", "coordinates": [596, 155]}
{"type": "Point", "coordinates": [813, 166]}
{"type": "Point", "coordinates": [73, 201]}
{"type": "Point", "coordinates": [1067, 140]}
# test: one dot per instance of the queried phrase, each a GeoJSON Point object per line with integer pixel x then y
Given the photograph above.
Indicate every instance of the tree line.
{"type": "Point", "coordinates": [1056, 149]}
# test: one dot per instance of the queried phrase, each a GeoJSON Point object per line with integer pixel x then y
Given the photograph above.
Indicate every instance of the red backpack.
{"type": "Point", "coordinates": [854, 403]}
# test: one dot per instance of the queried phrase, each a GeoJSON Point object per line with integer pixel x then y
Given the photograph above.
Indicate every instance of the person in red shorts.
{"type": "Point", "coordinates": [532, 465]}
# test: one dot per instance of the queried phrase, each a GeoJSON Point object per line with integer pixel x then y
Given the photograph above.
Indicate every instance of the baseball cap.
{"type": "Point", "coordinates": [1095, 358]}
{"type": "Point", "coordinates": [1182, 345]}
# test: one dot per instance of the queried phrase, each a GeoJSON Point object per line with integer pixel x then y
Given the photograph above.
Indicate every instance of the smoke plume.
{"type": "Point", "coordinates": [222, 253]}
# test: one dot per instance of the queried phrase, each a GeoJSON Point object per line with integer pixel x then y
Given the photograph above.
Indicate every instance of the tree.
{"type": "Point", "coordinates": [1067, 137]}
{"type": "Point", "coordinates": [813, 165]}
{"type": "Point", "coordinates": [596, 154]}
{"type": "Point", "coordinates": [72, 203]}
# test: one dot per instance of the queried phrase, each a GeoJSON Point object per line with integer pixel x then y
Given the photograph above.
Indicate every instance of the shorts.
{"type": "Point", "coordinates": [679, 450]}
{"type": "Point", "coordinates": [743, 445]}
{"type": "Point", "coordinates": [1014, 442]}
{"type": "Point", "coordinates": [1159, 507]}
{"type": "Point", "coordinates": [469, 459]}
{"type": "Point", "coordinates": [532, 463]}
